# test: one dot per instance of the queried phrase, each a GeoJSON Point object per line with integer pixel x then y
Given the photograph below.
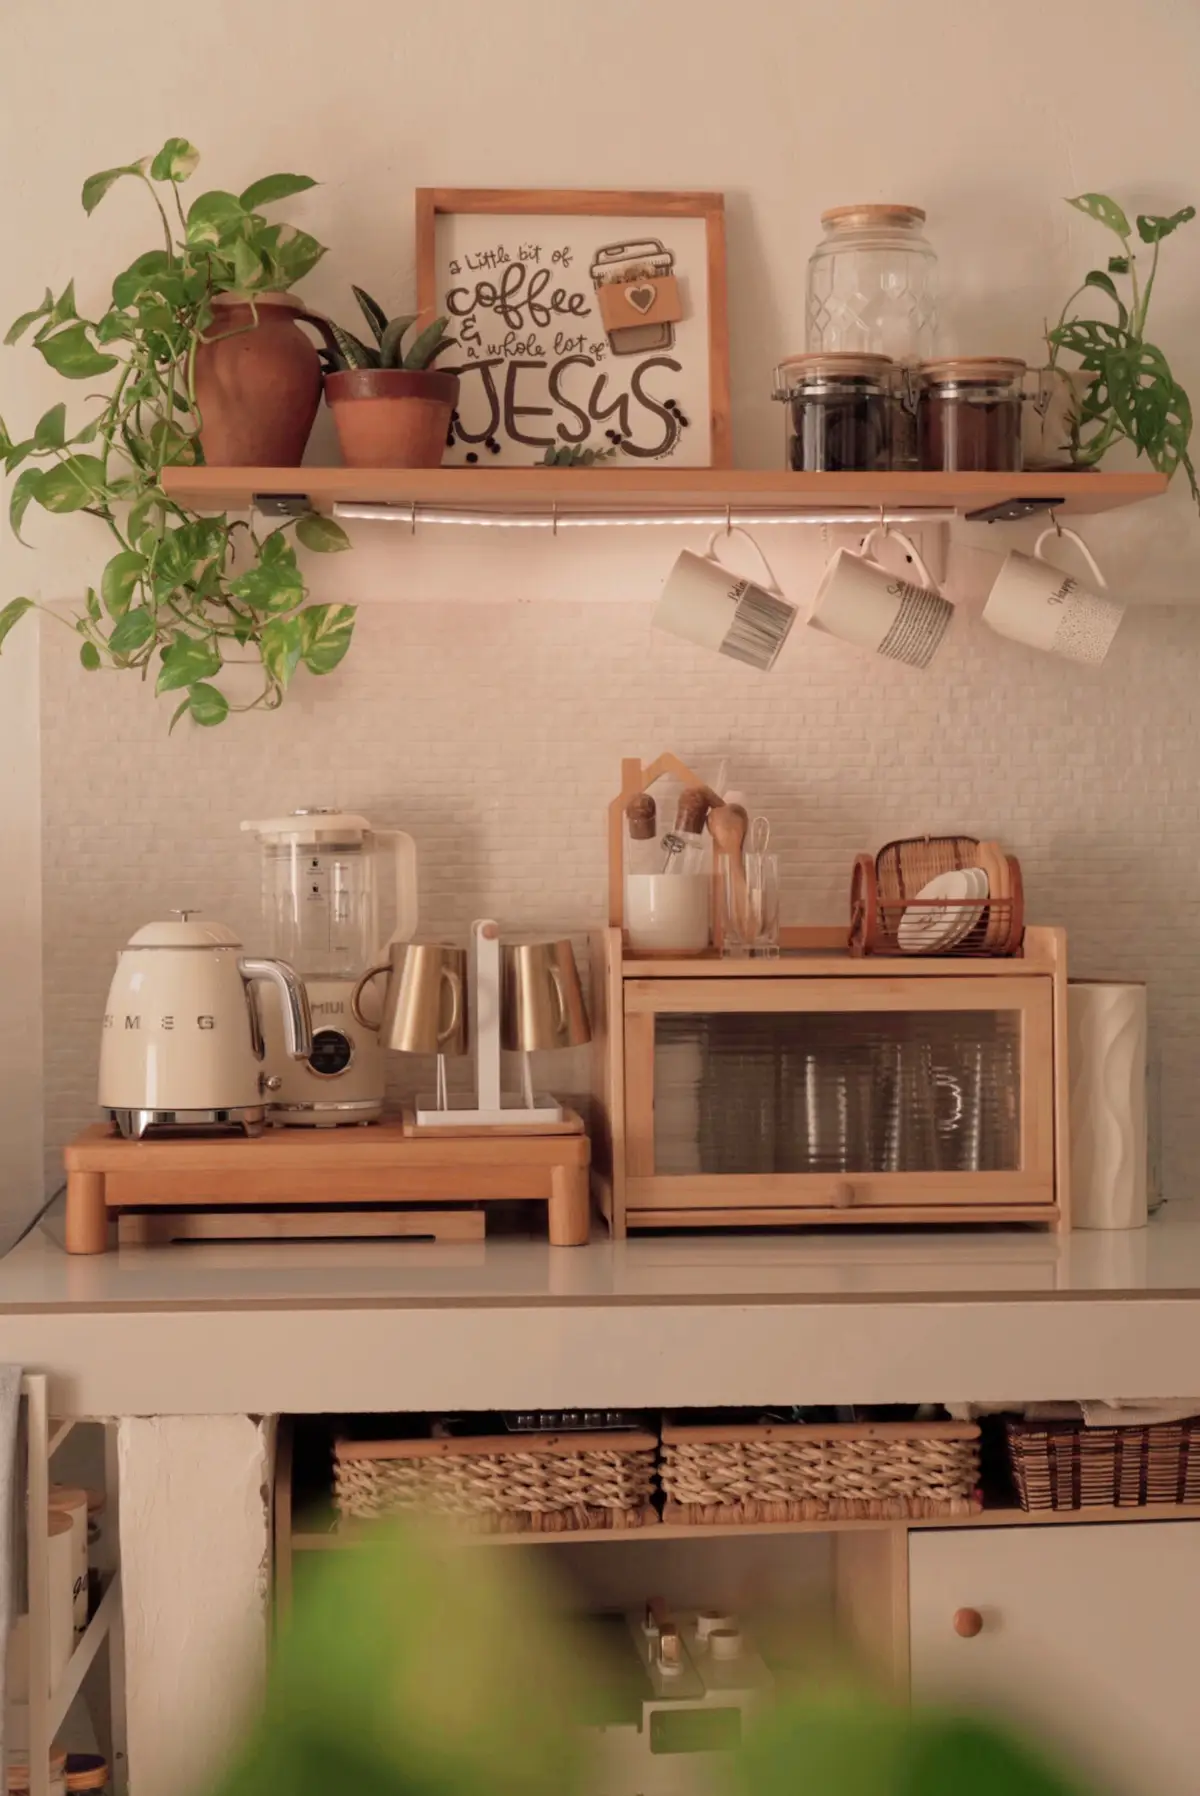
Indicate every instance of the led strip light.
{"type": "Point", "coordinates": [553, 520]}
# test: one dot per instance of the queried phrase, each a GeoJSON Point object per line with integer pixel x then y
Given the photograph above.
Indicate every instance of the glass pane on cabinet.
{"type": "Point", "coordinates": [861, 1091]}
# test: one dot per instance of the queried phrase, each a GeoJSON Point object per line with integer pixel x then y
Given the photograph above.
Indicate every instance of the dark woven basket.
{"type": "Point", "coordinates": [1066, 1465]}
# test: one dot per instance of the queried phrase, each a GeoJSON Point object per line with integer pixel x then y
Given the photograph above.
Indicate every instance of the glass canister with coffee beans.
{"type": "Point", "coordinates": [969, 414]}
{"type": "Point", "coordinates": [839, 410]}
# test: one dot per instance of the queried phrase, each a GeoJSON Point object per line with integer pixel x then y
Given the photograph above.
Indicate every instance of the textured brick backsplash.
{"type": "Point", "coordinates": [494, 734]}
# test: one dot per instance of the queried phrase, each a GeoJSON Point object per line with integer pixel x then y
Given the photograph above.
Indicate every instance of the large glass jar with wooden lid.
{"type": "Point", "coordinates": [872, 284]}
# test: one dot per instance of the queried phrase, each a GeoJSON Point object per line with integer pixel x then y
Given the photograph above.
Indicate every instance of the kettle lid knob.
{"type": "Point", "coordinates": [183, 915]}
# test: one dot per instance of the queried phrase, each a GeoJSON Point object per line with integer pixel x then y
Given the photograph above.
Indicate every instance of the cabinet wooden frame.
{"type": "Point", "coordinates": [815, 979]}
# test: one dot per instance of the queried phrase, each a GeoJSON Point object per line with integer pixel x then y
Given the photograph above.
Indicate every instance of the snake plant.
{"type": "Point", "coordinates": [348, 351]}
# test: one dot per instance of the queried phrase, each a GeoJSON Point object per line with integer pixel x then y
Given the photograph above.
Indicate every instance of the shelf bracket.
{"type": "Point", "coordinates": [1011, 511]}
{"type": "Point", "coordinates": [282, 505]}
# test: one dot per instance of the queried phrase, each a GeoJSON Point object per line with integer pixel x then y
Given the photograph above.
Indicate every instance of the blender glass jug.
{"type": "Point", "coordinates": [321, 890]}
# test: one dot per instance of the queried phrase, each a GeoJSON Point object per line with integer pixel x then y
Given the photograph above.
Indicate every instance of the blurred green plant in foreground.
{"type": "Point", "coordinates": [418, 1667]}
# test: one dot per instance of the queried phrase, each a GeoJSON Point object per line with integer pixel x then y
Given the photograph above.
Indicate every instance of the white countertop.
{"type": "Point", "coordinates": [803, 1317]}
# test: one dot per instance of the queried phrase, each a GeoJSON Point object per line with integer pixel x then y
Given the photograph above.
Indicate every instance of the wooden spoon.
{"type": "Point", "coordinates": [727, 825]}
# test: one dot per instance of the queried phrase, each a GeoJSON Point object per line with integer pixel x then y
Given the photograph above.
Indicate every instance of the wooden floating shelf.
{"type": "Point", "coordinates": [580, 491]}
{"type": "Point", "coordinates": [310, 1540]}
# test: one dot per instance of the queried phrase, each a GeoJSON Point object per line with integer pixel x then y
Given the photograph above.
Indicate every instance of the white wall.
{"type": "Point", "coordinates": [495, 731]}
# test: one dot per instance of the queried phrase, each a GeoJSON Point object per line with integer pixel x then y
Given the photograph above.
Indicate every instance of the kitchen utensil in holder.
{"type": "Point", "coordinates": [660, 903]}
{"type": "Point", "coordinates": [525, 996]}
{"type": "Point", "coordinates": [885, 890]}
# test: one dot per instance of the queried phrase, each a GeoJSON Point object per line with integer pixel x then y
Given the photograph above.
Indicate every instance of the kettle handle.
{"type": "Point", "coordinates": [404, 851]}
{"type": "Point", "coordinates": [297, 1018]}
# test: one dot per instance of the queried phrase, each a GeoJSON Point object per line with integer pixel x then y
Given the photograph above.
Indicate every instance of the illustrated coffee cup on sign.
{"type": "Point", "coordinates": [863, 602]}
{"type": "Point", "coordinates": [1036, 603]}
{"type": "Point", "coordinates": [708, 604]}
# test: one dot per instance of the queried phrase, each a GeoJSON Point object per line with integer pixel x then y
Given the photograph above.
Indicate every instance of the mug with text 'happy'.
{"type": "Point", "coordinates": [1036, 603]}
{"type": "Point", "coordinates": [861, 601]}
{"type": "Point", "coordinates": [708, 604]}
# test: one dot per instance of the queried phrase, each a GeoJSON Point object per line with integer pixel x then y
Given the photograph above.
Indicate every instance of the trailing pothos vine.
{"type": "Point", "coordinates": [184, 596]}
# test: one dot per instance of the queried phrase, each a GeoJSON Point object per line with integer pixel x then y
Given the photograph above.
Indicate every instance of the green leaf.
{"type": "Point", "coordinates": [269, 588]}
{"type": "Point", "coordinates": [26, 489]}
{"type": "Point", "coordinates": [1152, 228]}
{"type": "Point", "coordinates": [175, 161]}
{"type": "Point", "coordinates": [12, 614]}
{"type": "Point", "coordinates": [17, 453]}
{"type": "Point", "coordinates": [321, 534]}
{"type": "Point", "coordinates": [294, 252]}
{"type": "Point", "coordinates": [1106, 284]}
{"type": "Point", "coordinates": [372, 311]}
{"type": "Point", "coordinates": [89, 654]}
{"type": "Point", "coordinates": [281, 643]}
{"type": "Point", "coordinates": [51, 432]}
{"type": "Point", "coordinates": [120, 579]}
{"type": "Point", "coordinates": [71, 353]}
{"type": "Point", "coordinates": [247, 267]}
{"type": "Point", "coordinates": [1118, 265]}
{"type": "Point", "coordinates": [354, 353]}
{"type": "Point", "coordinates": [277, 551]}
{"type": "Point", "coordinates": [133, 631]}
{"type": "Point", "coordinates": [92, 604]}
{"type": "Point", "coordinates": [186, 660]}
{"type": "Point", "coordinates": [96, 186]}
{"type": "Point", "coordinates": [215, 218]}
{"type": "Point", "coordinates": [274, 187]}
{"type": "Point", "coordinates": [138, 276]}
{"type": "Point", "coordinates": [208, 706]}
{"type": "Point", "coordinates": [22, 324]}
{"type": "Point", "coordinates": [71, 484]}
{"type": "Point", "coordinates": [418, 356]}
{"type": "Point", "coordinates": [143, 519]}
{"type": "Point", "coordinates": [389, 344]}
{"type": "Point", "coordinates": [325, 632]}
{"type": "Point", "coordinates": [1103, 210]}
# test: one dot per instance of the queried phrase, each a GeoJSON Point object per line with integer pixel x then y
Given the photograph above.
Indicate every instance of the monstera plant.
{"type": "Point", "coordinates": [182, 596]}
{"type": "Point", "coordinates": [1128, 390]}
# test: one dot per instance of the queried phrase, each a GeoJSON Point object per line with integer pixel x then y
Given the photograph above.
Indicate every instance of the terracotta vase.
{"type": "Point", "coordinates": [391, 418]}
{"type": "Point", "coordinates": [258, 385]}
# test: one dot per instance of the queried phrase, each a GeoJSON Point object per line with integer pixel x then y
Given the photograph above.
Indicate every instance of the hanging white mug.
{"type": "Point", "coordinates": [708, 604]}
{"type": "Point", "coordinates": [863, 602]}
{"type": "Point", "coordinates": [1034, 602]}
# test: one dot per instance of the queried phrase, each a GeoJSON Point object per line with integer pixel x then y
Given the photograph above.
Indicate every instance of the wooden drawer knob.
{"type": "Point", "coordinates": [843, 1194]}
{"type": "Point", "coordinates": [968, 1623]}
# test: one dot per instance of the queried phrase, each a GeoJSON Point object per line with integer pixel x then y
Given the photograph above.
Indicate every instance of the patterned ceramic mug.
{"type": "Point", "coordinates": [865, 603]}
{"type": "Point", "coordinates": [1036, 603]}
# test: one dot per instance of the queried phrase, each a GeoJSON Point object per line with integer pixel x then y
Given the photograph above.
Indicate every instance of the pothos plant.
{"type": "Point", "coordinates": [1131, 393]}
{"type": "Point", "coordinates": [183, 596]}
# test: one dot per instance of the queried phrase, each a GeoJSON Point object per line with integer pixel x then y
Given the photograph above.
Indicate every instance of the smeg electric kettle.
{"type": "Point", "coordinates": [182, 1045]}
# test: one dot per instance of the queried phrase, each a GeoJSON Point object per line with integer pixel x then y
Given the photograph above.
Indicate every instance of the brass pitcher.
{"type": "Point", "coordinates": [541, 1001]}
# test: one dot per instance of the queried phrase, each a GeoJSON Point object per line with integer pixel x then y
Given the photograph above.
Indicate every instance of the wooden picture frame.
{"type": "Point", "coordinates": [572, 419]}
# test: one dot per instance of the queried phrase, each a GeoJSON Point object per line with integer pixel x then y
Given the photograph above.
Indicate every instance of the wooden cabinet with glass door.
{"type": "Point", "coordinates": [818, 1088]}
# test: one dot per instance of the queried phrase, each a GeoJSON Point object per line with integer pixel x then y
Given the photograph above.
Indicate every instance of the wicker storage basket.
{"type": "Point", "coordinates": [502, 1484]}
{"type": "Point", "coordinates": [1066, 1465]}
{"type": "Point", "coordinates": [735, 1473]}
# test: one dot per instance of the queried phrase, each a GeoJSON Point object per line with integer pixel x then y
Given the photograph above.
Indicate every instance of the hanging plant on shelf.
{"type": "Point", "coordinates": [1129, 392]}
{"type": "Point", "coordinates": [184, 596]}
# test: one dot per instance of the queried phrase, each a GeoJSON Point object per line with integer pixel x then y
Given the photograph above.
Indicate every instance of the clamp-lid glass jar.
{"type": "Point", "coordinates": [872, 284]}
{"type": "Point", "coordinates": [839, 412]}
{"type": "Point", "coordinates": [969, 414]}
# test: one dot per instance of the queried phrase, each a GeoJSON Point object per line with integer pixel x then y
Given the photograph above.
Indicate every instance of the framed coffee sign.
{"type": "Point", "coordinates": [581, 322]}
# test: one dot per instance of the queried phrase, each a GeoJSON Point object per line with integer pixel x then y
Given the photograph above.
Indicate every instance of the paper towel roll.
{"type": "Point", "coordinates": [1107, 1057]}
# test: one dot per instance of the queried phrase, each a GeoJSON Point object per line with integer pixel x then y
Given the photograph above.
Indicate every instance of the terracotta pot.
{"type": "Point", "coordinates": [258, 385]}
{"type": "Point", "coordinates": [391, 418]}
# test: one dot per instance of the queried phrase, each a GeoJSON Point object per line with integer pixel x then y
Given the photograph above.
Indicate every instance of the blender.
{"type": "Point", "coordinates": [321, 876]}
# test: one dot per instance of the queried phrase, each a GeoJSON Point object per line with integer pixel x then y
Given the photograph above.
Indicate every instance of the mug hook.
{"type": "Point", "coordinates": [1058, 529]}
{"type": "Point", "coordinates": [728, 520]}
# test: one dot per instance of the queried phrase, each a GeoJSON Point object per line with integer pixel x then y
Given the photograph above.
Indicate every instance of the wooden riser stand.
{"type": "Point", "coordinates": [306, 1182]}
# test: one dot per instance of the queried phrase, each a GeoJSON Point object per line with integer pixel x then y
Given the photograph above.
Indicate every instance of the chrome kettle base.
{"type": "Point", "coordinates": [326, 1116]}
{"type": "Point", "coordinates": [248, 1119]}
